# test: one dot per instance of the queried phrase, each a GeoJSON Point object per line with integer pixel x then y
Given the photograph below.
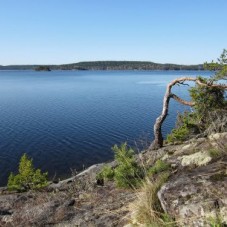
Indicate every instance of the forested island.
{"type": "Point", "coordinates": [106, 65]}
{"type": "Point", "coordinates": [42, 68]}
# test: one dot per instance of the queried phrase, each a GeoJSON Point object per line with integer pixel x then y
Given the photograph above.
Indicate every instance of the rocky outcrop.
{"type": "Point", "coordinates": [196, 194]}
{"type": "Point", "coordinates": [77, 201]}
{"type": "Point", "coordinates": [193, 197]}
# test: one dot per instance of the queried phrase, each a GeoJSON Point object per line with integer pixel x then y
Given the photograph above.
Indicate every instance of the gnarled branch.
{"type": "Point", "coordinates": [158, 138]}
{"type": "Point", "coordinates": [184, 102]}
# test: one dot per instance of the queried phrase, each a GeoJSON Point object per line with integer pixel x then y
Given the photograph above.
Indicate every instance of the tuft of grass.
{"type": "Point", "coordinates": [218, 176]}
{"type": "Point", "coordinates": [215, 153]}
{"type": "Point", "coordinates": [215, 221]}
{"type": "Point", "coordinates": [158, 167]}
{"type": "Point", "coordinates": [146, 209]}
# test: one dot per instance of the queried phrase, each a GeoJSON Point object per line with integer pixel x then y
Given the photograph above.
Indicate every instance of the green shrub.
{"type": "Point", "coordinates": [207, 98]}
{"type": "Point", "coordinates": [28, 177]}
{"type": "Point", "coordinates": [187, 124]}
{"type": "Point", "coordinates": [107, 173]}
{"type": "Point", "coordinates": [127, 173]}
{"type": "Point", "coordinates": [178, 134]}
{"type": "Point", "coordinates": [209, 101]}
{"type": "Point", "coordinates": [158, 167]}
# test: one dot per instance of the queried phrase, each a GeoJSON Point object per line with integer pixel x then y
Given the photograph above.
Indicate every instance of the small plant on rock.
{"type": "Point", "coordinates": [127, 173]}
{"type": "Point", "coordinates": [28, 178]}
{"type": "Point", "coordinates": [186, 125]}
{"type": "Point", "coordinates": [215, 153]}
{"type": "Point", "coordinates": [107, 173]}
{"type": "Point", "coordinates": [158, 167]}
{"type": "Point", "coordinates": [216, 221]}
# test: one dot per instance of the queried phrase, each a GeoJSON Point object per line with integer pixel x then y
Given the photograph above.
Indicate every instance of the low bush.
{"type": "Point", "coordinates": [208, 115]}
{"type": "Point", "coordinates": [127, 173]}
{"type": "Point", "coordinates": [28, 178]}
{"type": "Point", "coordinates": [106, 173]}
{"type": "Point", "coordinates": [187, 124]}
{"type": "Point", "coordinates": [158, 167]}
{"type": "Point", "coordinates": [178, 134]}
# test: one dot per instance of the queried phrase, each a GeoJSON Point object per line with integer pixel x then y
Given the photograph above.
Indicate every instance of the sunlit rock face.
{"type": "Point", "coordinates": [196, 194]}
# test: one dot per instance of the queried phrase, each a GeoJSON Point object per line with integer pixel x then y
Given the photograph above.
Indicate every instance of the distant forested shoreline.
{"type": "Point", "coordinates": [106, 65]}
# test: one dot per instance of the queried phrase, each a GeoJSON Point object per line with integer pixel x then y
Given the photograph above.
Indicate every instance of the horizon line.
{"type": "Point", "coordinates": [100, 61]}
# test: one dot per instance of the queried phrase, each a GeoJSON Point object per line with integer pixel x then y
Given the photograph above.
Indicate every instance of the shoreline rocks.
{"type": "Point", "coordinates": [194, 193]}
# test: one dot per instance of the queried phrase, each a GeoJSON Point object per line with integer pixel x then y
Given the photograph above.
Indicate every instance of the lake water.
{"type": "Point", "coordinates": [70, 119]}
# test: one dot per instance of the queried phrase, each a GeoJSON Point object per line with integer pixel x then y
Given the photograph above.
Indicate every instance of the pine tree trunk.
{"type": "Point", "coordinates": [158, 138]}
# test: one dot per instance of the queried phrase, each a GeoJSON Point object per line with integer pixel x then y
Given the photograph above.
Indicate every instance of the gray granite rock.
{"type": "Point", "coordinates": [193, 197]}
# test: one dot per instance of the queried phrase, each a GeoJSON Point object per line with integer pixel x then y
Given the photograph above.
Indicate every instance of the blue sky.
{"type": "Point", "coordinates": [165, 31]}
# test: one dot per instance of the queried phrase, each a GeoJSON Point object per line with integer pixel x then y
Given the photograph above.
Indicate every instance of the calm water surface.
{"type": "Point", "coordinates": [70, 119]}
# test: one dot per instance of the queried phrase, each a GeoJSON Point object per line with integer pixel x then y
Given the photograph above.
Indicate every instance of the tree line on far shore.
{"type": "Point", "coordinates": [107, 65]}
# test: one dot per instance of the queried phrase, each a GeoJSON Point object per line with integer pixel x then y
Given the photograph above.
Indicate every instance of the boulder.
{"type": "Point", "coordinates": [196, 196]}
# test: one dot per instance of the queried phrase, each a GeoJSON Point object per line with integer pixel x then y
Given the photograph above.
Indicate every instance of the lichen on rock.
{"type": "Point", "coordinates": [199, 159]}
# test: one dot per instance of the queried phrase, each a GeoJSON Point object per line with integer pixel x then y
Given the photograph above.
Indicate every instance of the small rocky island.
{"type": "Point", "coordinates": [43, 68]}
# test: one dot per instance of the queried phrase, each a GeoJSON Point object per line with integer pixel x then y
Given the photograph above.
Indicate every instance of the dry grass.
{"type": "Point", "coordinates": [218, 122]}
{"type": "Point", "coordinates": [146, 209]}
{"type": "Point", "coordinates": [219, 148]}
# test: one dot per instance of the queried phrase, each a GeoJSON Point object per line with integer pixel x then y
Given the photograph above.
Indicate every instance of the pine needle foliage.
{"type": "Point", "coordinates": [28, 177]}
{"type": "Point", "coordinates": [127, 173]}
{"type": "Point", "coordinates": [207, 100]}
